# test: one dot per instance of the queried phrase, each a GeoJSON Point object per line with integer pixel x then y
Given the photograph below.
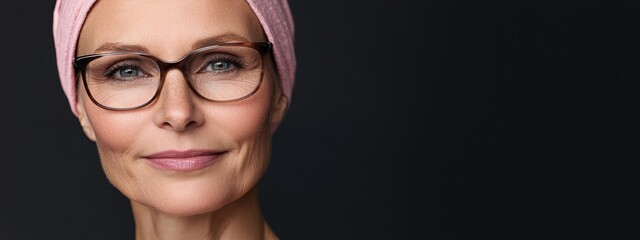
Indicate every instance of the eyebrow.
{"type": "Point", "coordinates": [120, 47]}
{"type": "Point", "coordinates": [224, 38]}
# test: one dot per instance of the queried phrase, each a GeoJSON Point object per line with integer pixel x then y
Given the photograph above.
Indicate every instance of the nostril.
{"type": "Point", "coordinates": [191, 125]}
{"type": "Point", "coordinates": [180, 115]}
{"type": "Point", "coordinates": [178, 126]}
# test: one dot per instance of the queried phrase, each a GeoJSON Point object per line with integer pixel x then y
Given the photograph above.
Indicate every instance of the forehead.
{"type": "Point", "coordinates": [168, 28]}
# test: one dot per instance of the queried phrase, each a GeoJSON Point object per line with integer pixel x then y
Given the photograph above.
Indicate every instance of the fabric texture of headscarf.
{"type": "Point", "coordinates": [274, 15]}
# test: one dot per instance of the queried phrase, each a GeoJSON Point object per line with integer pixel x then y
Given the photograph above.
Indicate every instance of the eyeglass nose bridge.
{"type": "Point", "coordinates": [164, 67]}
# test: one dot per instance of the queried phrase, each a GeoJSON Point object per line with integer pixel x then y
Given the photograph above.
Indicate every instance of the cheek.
{"type": "Point", "coordinates": [117, 137]}
{"type": "Point", "coordinates": [247, 130]}
{"type": "Point", "coordinates": [116, 132]}
{"type": "Point", "coordinates": [240, 124]}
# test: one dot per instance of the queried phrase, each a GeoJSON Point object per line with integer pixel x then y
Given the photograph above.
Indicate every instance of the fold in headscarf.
{"type": "Point", "coordinates": [274, 15]}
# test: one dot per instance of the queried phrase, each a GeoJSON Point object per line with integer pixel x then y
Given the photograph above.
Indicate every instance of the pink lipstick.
{"type": "Point", "coordinates": [183, 160]}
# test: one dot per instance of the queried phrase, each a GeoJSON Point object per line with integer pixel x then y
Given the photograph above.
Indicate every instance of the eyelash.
{"type": "Point", "coordinates": [234, 61]}
{"type": "Point", "coordinates": [111, 70]}
{"type": "Point", "coordinates": [108, 74]}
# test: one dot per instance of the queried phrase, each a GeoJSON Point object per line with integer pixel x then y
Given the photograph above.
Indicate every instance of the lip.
{"type": "Point", "coordinates": [189, 160]}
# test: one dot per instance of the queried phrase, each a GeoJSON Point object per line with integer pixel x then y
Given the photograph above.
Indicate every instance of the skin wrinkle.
{"type": "Point", "coordinates": [220, 200]}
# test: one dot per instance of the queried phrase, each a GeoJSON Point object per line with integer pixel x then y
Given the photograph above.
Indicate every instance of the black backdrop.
{"type": "Point", "coordinates": [441, 119]}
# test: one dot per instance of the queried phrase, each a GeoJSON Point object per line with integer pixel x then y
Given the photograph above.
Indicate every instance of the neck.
{"type": "Point", "coordinates": [240, 219]}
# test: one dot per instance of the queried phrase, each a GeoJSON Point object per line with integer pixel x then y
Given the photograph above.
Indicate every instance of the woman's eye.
{"type": "Point", "coordinates": [127, 72]}
{"type": "Point", "coordinates": [219, 66]}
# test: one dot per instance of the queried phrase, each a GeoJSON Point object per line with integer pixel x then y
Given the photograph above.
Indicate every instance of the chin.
{"type": "Point", "coordinates": [178, 196]}
{"type": "Point", "coordinates": [187, 198]}
{"type": "Point", "coordinates": [190, 205]}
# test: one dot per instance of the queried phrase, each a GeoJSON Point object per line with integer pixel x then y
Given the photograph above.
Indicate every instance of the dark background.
{"type": "Point", "coordinates": [441, 119]}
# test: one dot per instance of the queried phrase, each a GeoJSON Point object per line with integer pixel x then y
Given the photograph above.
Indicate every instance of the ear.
{"type": "Point", "coordinates": [278, 109]}
{"type": "Point", "coordinates": [84, 120]}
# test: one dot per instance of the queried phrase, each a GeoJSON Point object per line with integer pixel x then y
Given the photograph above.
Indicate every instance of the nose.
{"type": "Point", "coordinates": [178, 108]}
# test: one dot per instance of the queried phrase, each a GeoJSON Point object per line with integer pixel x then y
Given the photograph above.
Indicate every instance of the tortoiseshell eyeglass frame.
{"type": "Point", "coordinates": [81, 63]}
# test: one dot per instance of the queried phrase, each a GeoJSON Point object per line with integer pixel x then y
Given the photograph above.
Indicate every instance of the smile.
{"type": "Point", "coordinates": [183, 160]}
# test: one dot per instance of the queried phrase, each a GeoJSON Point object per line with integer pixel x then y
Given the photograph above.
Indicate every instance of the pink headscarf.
{"type": "Point", "coordinates": [274, 15]}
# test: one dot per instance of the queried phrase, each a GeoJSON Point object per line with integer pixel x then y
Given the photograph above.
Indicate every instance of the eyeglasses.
{"type": "Point", "coordinates": [132, 80]}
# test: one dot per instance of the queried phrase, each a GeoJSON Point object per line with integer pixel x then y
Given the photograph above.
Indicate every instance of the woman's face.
{"type": "Point", "coordinates": [145, 152]}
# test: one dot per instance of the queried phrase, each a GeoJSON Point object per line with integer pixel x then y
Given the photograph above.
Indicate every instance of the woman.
{"type": "Point", "coordinates": [181, 98]}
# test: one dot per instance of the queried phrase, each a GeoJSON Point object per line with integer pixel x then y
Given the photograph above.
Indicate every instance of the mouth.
{"type": "Point", "coordinates": [190, 160]}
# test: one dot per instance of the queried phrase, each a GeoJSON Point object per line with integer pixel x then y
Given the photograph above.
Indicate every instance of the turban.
{"type": "Point", "coordinates": [274, 15]}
